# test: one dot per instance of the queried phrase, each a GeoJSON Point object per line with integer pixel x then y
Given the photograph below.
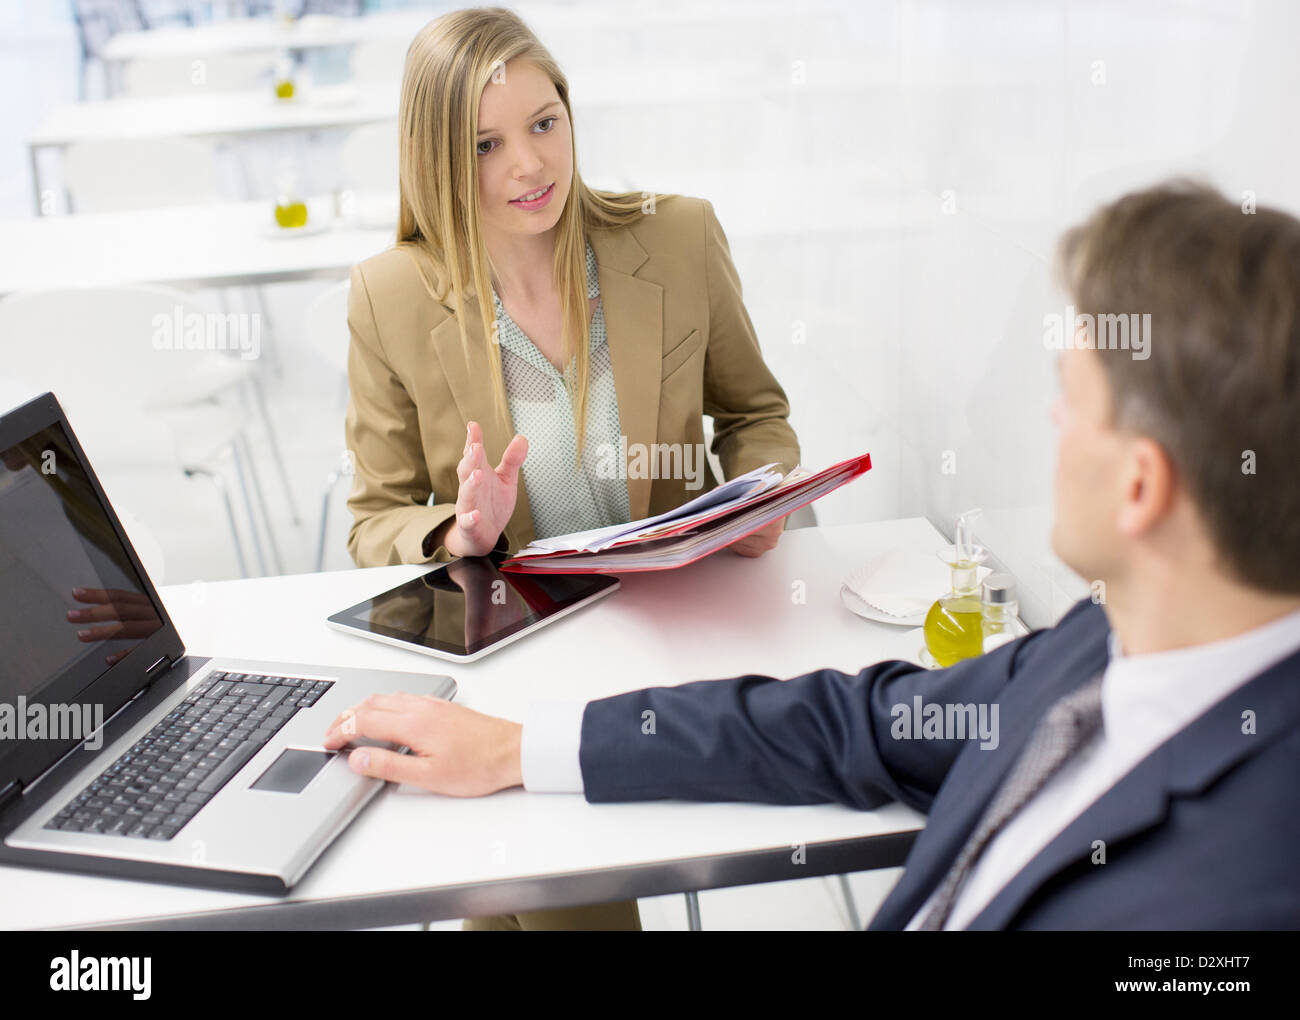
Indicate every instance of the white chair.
{"type": "Point", "coordinates": [103, 176]}
{"type": "Point", "coordinates": [328, 336]}
{"type": "Point", "coordinates": [327, 327]}
{"type": "Point", "coordinates": [368, 158]}
{"type": "Point", "coordinates": [135, 395]}
{"type": "Point", "coordinates": [378, 60]}
{"type": "Point", "coordinates": [145, 173]}
{"type": "Point", "coordinates": [217, 72]}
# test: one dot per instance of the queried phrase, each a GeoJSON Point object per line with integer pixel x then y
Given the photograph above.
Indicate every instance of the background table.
{"type": "Point", "coordinates": [223, 243]}
{"type": "Point", "coordinates": [255, 35]}
{"type": "Point", "coordinates": [221, 116]}
{"type": "Point", "coordinates": [214, 114]}
{"type": "Point", "coordinates": [217, 245]}
{"type": "Point", "coordinates": [412, 856]}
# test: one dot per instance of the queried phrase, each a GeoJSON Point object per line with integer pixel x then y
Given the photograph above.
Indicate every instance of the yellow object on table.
{"type": "Point", "coordinates": [291, 214]}
{"type": "Point", "coordinates": [954, 625]}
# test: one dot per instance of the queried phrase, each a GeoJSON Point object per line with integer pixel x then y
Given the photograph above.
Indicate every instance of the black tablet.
{"type": "Point", "coordinates": [465, 609]}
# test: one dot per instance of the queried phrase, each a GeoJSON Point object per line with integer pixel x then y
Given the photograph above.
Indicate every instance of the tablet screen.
{"type": "Point", "coordinates": [467, 605]}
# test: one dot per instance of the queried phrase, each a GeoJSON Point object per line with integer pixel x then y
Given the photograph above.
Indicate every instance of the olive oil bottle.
{"type": "Point", "coordinates": [290, 213]}
{"type": "Point", "coordinates": [290, 208]}
{"type": "Point", "coordinates": [283, 77]}
{"type": "Point", "coordinates": [954, 625]}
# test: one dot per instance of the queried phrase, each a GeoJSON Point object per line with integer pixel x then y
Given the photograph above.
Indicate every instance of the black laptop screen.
{"type": "Point", "coordinates": [71, 604]}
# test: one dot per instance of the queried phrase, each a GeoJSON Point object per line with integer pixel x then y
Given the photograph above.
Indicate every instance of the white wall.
{"type": "Point", "coordinates": [1032, 118]}
{"type": "Point", "coordinates": [892, 175]}
{"type": "Point", "coordinates": [903, 199]}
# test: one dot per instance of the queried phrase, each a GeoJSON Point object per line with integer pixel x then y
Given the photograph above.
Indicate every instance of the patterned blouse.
{"type": "Point", "coordinates": [564, 495]}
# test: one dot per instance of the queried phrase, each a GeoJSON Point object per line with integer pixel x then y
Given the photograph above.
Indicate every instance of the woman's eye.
{"type": "Point", "coordinates": [548, 121]}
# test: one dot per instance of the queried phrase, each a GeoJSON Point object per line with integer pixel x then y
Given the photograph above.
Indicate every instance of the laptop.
{"type": "Point", "coordinates": [120, 754]}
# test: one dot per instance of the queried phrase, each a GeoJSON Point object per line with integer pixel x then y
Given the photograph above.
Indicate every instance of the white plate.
{"type": "Point", "coordinates": [275, 232]}
{"type": "Point", "coordinates": [920, 564]}
{"type": "Point", "coordinates": [869, 612]}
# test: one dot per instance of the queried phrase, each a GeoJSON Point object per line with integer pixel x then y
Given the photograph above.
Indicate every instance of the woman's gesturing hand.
{"type": "Point", "coordinates": [487, 495]}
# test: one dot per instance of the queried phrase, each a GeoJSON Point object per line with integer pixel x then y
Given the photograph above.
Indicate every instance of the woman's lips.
{"type": "Point", "coordinates": [538, 203]}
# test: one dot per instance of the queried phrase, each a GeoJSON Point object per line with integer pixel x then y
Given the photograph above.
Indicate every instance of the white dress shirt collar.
{"type": "Point", "coordinates": [1164, 691]}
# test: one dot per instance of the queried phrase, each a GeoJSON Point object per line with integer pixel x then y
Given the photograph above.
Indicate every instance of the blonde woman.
{"type": "Point", "coordinates": [527, 330]}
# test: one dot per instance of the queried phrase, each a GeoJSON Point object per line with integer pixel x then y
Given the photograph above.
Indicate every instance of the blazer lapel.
{"type": "Point", "coordinates": [634, 324]}
{"type": "Point", "coordinates": [1183, 766]}
{"type": "Point", "coordinates": [469, 374]}
{"type": "Point", "coordinates": [974, 779]}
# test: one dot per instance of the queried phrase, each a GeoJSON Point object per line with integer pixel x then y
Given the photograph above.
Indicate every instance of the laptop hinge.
{"type": "Point", "coordinates": [11, 791]}
{"type": "Point", "coordinates": [157, 669]}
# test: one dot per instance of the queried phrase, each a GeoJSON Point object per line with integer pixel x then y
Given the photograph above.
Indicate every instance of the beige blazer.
{"type": "Point", "coordinates": [681, 345]}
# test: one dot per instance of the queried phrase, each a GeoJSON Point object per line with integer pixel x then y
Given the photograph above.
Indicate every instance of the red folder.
{"type": "Point", "coordinates": [681, 542]}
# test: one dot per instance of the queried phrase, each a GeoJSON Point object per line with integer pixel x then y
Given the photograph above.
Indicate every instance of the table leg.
{"type": "Point", "coordinates": [693, 911]}
{"type": "Point", "coordinates": [36, 178]}
{"type": "Point", "coordinates": [850, 903]}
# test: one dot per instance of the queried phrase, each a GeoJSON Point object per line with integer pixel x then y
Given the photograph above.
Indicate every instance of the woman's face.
{"type": "Point", "coordinates": [524, 146]}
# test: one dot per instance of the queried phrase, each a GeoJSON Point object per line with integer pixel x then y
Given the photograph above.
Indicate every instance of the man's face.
{"type": "Point", "coordinates": [524, 145]}
{"type": "Point", "coordinates": [1090, 469]}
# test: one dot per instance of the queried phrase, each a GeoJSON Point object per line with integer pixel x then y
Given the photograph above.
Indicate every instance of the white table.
{"type": "Point", "coordinates": [214, 114]}
{"type": "Point", "coordinates": [209, 115]}
{"type": "Point", "coordinates": [258, 35]}
{"type": "Point", "coordinates": [262, 35]}
{"type": "Point", "coordinates": [216, 245]}
{"type": "Point", "coordinates": [413, 856]}
{"type": "Point", "coordinates": [158, 245]}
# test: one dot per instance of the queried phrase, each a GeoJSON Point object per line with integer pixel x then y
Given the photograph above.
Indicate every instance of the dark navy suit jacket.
{"type": "Point", "coordinates": [1202, 833]}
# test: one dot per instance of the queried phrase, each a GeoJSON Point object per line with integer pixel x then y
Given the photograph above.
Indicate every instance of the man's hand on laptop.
{"type": "Point", "coordinates": [454, 750]}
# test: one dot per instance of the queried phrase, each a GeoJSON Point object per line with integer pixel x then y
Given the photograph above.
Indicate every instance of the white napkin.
{"type": "Point", "coordinates": [903, 582]}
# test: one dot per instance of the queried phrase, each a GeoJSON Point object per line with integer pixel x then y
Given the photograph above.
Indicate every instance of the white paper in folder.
{"type": "Point", "coordinates": [733, 492]}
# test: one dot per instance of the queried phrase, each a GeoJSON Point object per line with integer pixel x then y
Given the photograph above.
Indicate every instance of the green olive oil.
{"type": "Point", "coordinates": [954, 626]}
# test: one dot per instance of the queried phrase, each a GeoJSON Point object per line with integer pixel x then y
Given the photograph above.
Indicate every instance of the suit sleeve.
{"type": "Point", "coordinates": [391, 486]}
{"type": "Point", "coordinates": [749, 408]}
{"type": "Point", "coordinates": [818, 738]}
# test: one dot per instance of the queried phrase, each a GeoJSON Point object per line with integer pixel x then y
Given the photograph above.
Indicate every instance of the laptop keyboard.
{"type": "Point", "coordinates": [161, 782]}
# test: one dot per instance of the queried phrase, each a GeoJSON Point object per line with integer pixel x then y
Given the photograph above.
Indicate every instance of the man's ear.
{"type": "Point", "coordinates": [1150, 481]}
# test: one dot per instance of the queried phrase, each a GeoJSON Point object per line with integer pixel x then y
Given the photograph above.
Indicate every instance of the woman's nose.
{"type": "Point", "coordinates": [527, 162]}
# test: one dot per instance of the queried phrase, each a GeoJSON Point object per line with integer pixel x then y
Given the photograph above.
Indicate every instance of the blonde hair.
{"type": "Point", "coordinates": [449, 63]}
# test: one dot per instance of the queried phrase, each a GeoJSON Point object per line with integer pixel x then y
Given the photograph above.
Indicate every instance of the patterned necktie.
{"type": "Point", "coordinates": [1066, 727]}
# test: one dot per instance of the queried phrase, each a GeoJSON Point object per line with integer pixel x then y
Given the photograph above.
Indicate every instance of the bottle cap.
{"type": "Point", "coordinates": [999, 589]}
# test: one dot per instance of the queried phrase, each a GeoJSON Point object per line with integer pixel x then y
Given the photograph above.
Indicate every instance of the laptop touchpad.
{"type": "Point", "coordinates": [293, 770]}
